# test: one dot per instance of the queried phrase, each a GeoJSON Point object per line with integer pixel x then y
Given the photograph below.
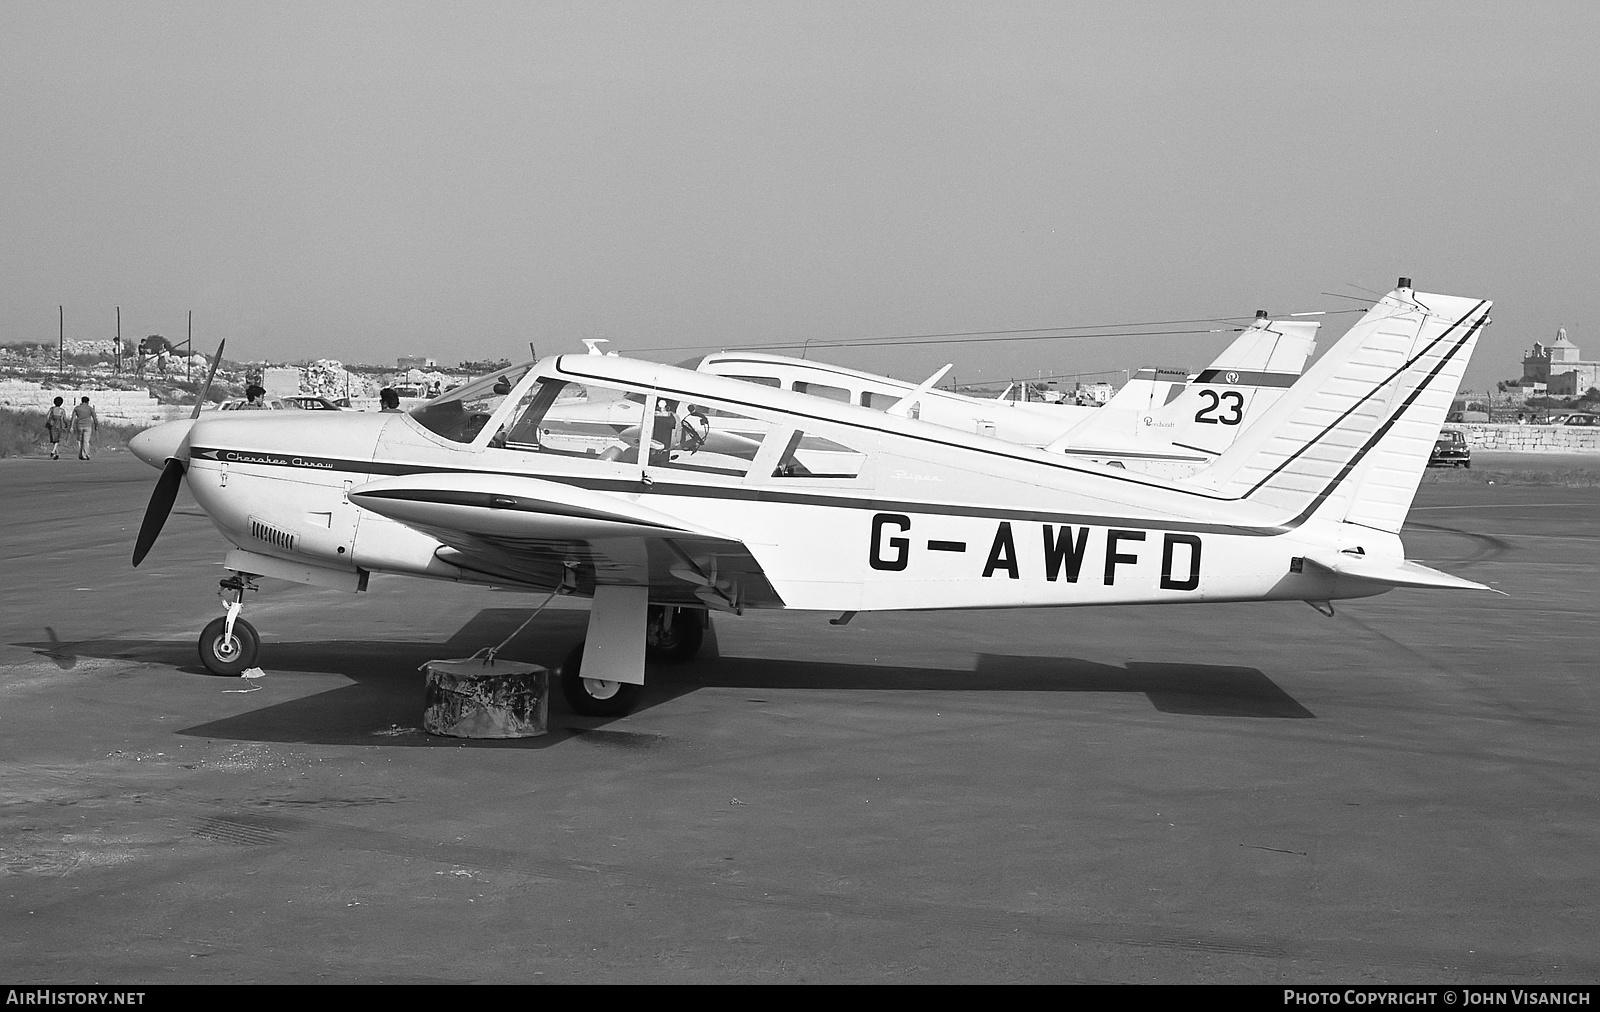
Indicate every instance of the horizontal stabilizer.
{"type": "Point", "coordinates": [1386, 571]}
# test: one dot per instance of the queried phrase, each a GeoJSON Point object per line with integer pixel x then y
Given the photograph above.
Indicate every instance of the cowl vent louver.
{"type": "Point", "coordinates": [271, 535]}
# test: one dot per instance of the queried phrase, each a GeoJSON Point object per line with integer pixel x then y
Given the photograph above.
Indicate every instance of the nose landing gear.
{"type": "Point", "coordinates": [229, 645]}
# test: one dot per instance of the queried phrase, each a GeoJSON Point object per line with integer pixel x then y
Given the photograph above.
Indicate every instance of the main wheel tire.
{"type": "Point", "coordinates": [229, 656]}
{"type": "Point", "coordinates": [673, 635]}
{"type": "Point", "coordinates": [594, 697]}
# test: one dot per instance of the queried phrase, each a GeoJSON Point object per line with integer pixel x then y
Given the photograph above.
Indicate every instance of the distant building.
{"type": "Point", "coordinates": [281, 382]}
{"type": "Point", "coordinates": [416, 362]}
{"type": "Point", "coordinates": [1559, 368]}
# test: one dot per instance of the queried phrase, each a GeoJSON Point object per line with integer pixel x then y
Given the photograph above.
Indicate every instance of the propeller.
{"type": "Point", "coordinates": [172, 472]}
{"type": "Point", "coordinates": [200, 401]}
{"type": "Point", "coordinates": [155, 514]}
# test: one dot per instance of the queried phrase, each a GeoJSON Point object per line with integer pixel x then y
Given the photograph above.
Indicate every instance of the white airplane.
{"type": "Point", "coordinates": [1160, 422]}
{"type": "Point", "coordinates": [1171, 425]}
{"type": "Point", "coordinates": [819, 506]}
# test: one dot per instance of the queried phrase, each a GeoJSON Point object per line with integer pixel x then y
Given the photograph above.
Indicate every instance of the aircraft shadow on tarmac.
{"type": "Point", "coordinates": [384, 705]}
{"type": "Point", "coordinates": [1196, 689]}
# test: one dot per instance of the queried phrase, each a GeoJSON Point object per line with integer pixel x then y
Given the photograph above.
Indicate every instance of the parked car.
{"type": "Point", "coordinates": [305, 403]}
{"type": "Point", "coordinates": [270, 403]}
{"type": "Point", "coordinates": [1451, 450]}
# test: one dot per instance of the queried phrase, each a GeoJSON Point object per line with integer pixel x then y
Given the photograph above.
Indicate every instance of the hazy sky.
{"type": "Point", "coordinates": [363, 180]}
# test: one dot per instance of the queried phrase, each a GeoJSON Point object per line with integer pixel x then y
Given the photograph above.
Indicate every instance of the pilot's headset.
{"type": "Point", "coordinates": [695, 427]}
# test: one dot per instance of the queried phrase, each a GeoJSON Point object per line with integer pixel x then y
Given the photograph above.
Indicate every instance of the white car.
{"type": "Point", "coordinates": [306, 402]}
{"type": "Point", "coordinates": [270, 403]}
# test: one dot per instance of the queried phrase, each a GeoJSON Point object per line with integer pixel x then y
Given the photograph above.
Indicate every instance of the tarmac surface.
{"type": "Point", "coordinates": [1405, 792]}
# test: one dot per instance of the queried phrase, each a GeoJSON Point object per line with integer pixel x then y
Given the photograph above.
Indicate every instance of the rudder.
{"type": "Point", "coordinates": [1350, 440]}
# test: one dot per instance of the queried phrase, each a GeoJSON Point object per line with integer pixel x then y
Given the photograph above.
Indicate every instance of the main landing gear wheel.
{"type": "Point", "coordinates": [673, 635]}
{"type": "Point", "coordinates": [595, 697]}
{"type": "Point", "coordinates": [229, 655]}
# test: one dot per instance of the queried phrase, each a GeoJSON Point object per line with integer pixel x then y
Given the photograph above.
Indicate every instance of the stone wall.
{"type": "Point", "coordinates": [1533, 438]}
{"type": "Point", "coordinates": [125, 407]}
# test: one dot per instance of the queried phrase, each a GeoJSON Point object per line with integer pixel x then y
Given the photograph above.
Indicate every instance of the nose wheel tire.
{"type": "Point", "coordinates": [595, 697]}
{"type": "Point", "coordinates": [225, 655]}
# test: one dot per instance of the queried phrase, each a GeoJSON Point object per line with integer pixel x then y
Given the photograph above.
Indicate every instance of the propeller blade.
{"type": "Point", "coordinates": [199, 402]}
{"type": "Point", "coordinates": [155, 515]}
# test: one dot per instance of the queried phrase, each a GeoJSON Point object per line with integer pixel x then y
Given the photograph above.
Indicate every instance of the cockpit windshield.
{"type": "Point", "coordinates": [461, 414]}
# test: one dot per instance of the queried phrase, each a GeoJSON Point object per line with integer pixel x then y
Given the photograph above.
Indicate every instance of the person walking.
{"type": "Point", "coordinates": [56, 425]}
{"type": "Point", "coordinates": [84, 422]}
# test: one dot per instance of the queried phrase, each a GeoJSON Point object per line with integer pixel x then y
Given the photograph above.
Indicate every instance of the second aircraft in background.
{"type": "Point", "coordinates": [1160, 422]}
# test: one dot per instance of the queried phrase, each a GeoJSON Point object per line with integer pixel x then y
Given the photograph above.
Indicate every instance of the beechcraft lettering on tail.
{"type": "Point", "coordinates": [664, 494]}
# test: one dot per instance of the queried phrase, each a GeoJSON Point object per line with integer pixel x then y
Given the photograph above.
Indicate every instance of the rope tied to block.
{"type": "Point", "coordinates": [490, 653]}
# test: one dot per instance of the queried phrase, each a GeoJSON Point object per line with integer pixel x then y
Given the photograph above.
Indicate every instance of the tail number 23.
{"type": "Point", "coordinates": [1233, 414]}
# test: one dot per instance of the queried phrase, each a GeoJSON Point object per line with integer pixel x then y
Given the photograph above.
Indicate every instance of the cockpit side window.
{"type": "Point", "coordinates": [462, 413]}
{"type": "Point", "coordinates": [832, 393]}
{"type": "Point", "coordinates": [811, 456]}
{"type": "Point", "coordinates": [520, 429]}
{"type": "Point", "coordinates": [574, 420]}
{"type": "Point", "coordinates": [704, 437]}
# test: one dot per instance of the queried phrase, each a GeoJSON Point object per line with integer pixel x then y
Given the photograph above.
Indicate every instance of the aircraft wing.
{"type": "Point", "coordinates": [1394, 574]}
{"type": "Point", "coordinates": [533, 532]}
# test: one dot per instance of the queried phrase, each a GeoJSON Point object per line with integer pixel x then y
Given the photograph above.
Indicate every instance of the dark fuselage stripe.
{"type": "Point", "coordinates": [1236, 378]}
{"type": "Point", "coordinates": [758, 494]}
{"type": "Point", "coordinates": [506, 504]}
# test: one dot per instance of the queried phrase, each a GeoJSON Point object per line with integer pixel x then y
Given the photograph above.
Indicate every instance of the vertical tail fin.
{"type": "Point", "coordinates": [1159, 408]}
{"type": "Point", "coordinates": [1264, 361]}
{"type": "Point", "coordinates": [1350, 440]}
